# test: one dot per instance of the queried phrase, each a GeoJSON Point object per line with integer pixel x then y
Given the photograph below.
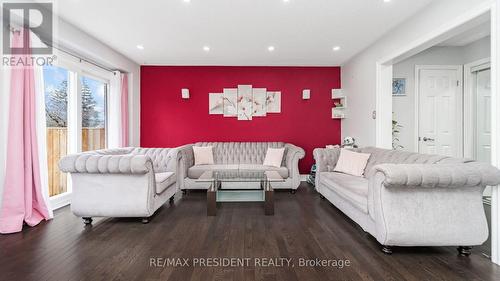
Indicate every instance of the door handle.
{"type": "Point", "coordinates": [428, 139]}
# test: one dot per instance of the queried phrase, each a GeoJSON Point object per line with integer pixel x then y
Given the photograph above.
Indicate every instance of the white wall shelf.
{"type": "Point", "coordinates": [338, 112]}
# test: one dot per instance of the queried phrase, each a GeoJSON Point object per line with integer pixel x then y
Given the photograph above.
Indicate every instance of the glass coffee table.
{"type": "Point", "coordinates": [240, 186]}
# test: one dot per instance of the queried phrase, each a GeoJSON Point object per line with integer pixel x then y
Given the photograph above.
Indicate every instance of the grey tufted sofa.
{"type": "Point", "coordinates": [241, 156]}
{"type": "Point", "coordinates": [125, 182]}
{"type": "Point", "coordinates": [411, 199]}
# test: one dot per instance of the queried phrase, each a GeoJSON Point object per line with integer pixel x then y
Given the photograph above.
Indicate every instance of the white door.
{"type": "Point", "coordinates": [483, 116]}
{"type": "Point", "coordinates": [440, 110]}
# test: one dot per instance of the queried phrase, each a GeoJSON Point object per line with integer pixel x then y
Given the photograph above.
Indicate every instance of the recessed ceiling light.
{"type": "Point", "coordinates": [286, 1]}
{"type": "Point", "coordinates": [206, 48]}
{"type": "Point", "coordinates": [387, 1]}
{"type": "Point", "coordinates": [336, 48]}
{"type": "Point", "coordinates": [187, 1]}
{"type": "Point", "coordinates": [270, 48]}
{"type": "Point", "coordinates": [140, 47]}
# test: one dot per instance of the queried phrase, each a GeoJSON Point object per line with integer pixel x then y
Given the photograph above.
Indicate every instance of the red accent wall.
{"type": "Point", "coordinates": [167, 120]}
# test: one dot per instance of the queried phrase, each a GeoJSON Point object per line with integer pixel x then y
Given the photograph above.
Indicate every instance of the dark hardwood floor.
{"type": "Point", "coordinates": [304, 226]}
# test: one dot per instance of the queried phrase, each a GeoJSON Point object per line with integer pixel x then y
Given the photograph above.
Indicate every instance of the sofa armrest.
{"type": "Point", "coordinates": [293, 155]}
{"type": "Point", "coordinates": [186, 160]}
{"type": "Point", "coordinates": [439, 175]}
{"type": "Point", "coordinates": [91, 162]}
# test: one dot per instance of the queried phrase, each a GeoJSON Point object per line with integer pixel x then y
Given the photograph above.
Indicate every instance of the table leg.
{"type": "Point", "coordinates": [211, 200]}
{"type": "Point", "coordinates": [269, 202]}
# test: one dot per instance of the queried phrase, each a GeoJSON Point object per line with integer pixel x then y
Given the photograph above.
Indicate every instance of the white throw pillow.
{"type": "Point", "coordinates": [203, 155]}
{"type": "Point", "coordinates": [352, 163]}
{"type": "Point", "coordinates": [274, 156]}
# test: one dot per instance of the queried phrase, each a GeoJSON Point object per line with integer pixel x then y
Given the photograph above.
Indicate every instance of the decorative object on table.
{"type": "Point", "coordinates": [340, 103]}
{"type": "Point", "coordinates": [329, 146]}
{"type": "Point", "coordinates": [306, 94]}
{"type": "Point", "coordinates": [349, 142]}
{"type": "Point", "coordinates": [273, 102]}
{"type": "Point", "coordinates": [399, 86]}
{"type": "Point", "coordinates": [244, 102]}
{"type": "Point", "coordinates": [311, 178]}
{"type": "Point", "coordinates": [259, 101]}
{"type": "Point", "coordinates": [215, 103]}
{"type": "Point", "coordinates": [395, 135]}
{"type": "Point", "coordinates": [185, 93]}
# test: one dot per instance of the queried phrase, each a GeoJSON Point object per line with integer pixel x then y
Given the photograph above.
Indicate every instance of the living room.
{"type": "Point", "coordinates": [249, 140]}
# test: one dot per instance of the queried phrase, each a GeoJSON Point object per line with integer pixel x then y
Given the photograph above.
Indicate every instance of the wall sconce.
{"type": "Point", "coordinates": [185, 93]}
{"type": "Point", "coordinates": [306, 94]}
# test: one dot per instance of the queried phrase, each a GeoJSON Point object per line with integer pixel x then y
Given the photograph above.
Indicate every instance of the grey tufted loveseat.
{"type": "Point", "coordinates": [241, 156]}
{"type": "Point", "coordinates": [411, 199]}
{"type": "Point", "coordinates": [124, 182]}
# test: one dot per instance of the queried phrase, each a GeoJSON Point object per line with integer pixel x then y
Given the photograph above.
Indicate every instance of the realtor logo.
{"type": "Point", "coordinates": [36, 17]}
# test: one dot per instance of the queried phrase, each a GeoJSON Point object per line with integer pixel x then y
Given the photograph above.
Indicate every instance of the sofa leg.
{"type": "Point", "coordinates": [184, 191]}
{"type": "Point", "coordinates": [171, 199]}
{"type": "Point", "coordinates": [87, 220]}
{"type": "Point", "coordinates": [464, 251]}
{"type": "Point", "coordinates": [145, 220]}
{"type": "Point", "coordinates": [293, 191]}
{"type": "Point", "coordinates": [321, 196]}
{"type": "Point", "coordinates": [387, 250]}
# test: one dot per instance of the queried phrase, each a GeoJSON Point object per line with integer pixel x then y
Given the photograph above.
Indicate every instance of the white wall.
{"type": "Point", "coordinates": [404, 107]}
{"type": "Point", "coordinates": [359, 73]}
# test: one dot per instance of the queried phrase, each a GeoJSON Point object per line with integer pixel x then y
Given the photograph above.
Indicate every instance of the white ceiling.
{"type": "Point", "coordinates": [238, 32]}
{"type": "Point", "coordinates": [468, 36]}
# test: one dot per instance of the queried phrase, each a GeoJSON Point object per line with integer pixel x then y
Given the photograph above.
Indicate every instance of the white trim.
{"type": "Point", "coordinates": [303, 177]}
{"type": "Point", "coordinates": [459, 69]}
{"type": "Point", "coordinates": [383, 109]}
{"type": "Point", "coordinates": [495, 130]}
{"type": "Point", "coordinates": [469, 104]}
{"type": "Point", "coordinates": [60, 200]}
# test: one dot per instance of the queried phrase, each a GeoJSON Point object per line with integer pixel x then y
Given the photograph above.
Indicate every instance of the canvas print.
{"type": "Point", "coordinates": [245, 102]}
{"type": "Point", "coordinates": [215, 103]}
{"type": "Point", "coordinates": [259, 101]}
{"type": "Point", "coordinates": [398, 86]}
{"type": "Point", "coordinates": [273, 102]}
{"type": "Point", "coordinates": [230, 99]}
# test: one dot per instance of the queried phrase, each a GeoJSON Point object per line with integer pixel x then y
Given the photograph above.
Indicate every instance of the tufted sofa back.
{"type": "Point", "coordinates": [241, 152]}
{"type": "Point", "coordinates": [160, 156]}
{"type": "Point", "coordinates": [383, 156]}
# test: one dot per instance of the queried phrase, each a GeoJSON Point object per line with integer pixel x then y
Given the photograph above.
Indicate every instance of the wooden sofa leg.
{"type": "Point", "coordinates": [464, 251]}
{"type": "Point", "coordinates": [387, 250]}
{"type": "Point", "coordinates": [321, 196]}
{"type": "Point", "coordinates": [293, 191]}
{"type": "Point", "coordinates": [87, 220]}
{"type": "Point", "coordinates": [171, 199]}
{"type": "Point", "coordinates": [145, 220]}
{"type": "Point", "coordinates": [184, 191]}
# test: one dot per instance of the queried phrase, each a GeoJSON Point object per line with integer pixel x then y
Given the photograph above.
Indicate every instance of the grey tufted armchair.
{"type": "Point", "coordinates": [125, 182]}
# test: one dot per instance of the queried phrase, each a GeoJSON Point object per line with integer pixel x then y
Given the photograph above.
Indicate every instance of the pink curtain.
{"type": "Point", "coordinates": [22, 196]}
{"type": "Point", "coordinates": [124, 109]}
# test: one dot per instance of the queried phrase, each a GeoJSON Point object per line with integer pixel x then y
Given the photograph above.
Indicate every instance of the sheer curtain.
{"type": "Point", "coordinates": [118, 111]}
{"type": "Point", "coordinates": [23, 199]}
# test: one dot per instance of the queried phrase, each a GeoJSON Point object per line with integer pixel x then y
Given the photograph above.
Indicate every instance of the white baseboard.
{"type": "Point", "coordinates": [303, 177]}
{"type": "Point", "coordinates": [60, 200]}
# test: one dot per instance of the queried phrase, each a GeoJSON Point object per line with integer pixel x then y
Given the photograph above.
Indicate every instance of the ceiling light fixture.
{"type": "Point", "coordinates": [206, 48]}
{"type": "Point", "coordinates": [387, 1]}
{"type": "Point", "coordinates": [336, 48]}
{"type": "Point", "coordinates": [270, 48]}
{"type": "Point", "coordinates": [187, 1]}
{"type": "Point", "coordinates": [286, 1]}
{"type": "Point", "coordinates": [140, 47]}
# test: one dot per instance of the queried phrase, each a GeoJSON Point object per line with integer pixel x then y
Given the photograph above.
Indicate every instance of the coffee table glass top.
{"type": "Point", "coordinates": [240, 185]}
{"type": "Point", "coordinates": [240, 176]}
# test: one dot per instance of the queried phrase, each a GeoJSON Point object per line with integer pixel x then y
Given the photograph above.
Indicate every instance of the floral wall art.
{"type": "Point", "coordinates": [244, 102]}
